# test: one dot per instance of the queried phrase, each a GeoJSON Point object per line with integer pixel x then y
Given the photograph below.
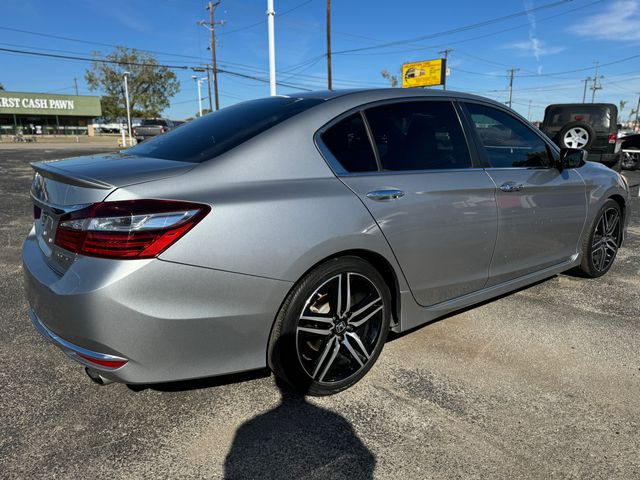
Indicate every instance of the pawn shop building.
{"type": "Point", "coordinates": [47, 114]}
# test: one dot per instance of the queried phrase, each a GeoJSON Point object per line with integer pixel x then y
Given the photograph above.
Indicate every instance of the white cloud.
{"type": "Point", "coordinates": [536, 47]}
{"type": "Point", "coordinates": [619, 21]}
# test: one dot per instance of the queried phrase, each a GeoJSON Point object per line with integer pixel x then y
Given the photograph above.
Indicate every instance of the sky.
{"type": "Point", "coordinates": [554, 44]}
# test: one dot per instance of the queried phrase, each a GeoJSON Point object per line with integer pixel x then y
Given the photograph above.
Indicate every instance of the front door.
{"type": "Point", "coordinates": [541, 211]}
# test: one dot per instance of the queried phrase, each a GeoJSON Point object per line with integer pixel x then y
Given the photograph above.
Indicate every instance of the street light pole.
{"type": "Point", "coordinates": [272, 47]}
{"type": "Point", "coordinates": [198, 83]}
{"type": "Point", "coordinates": [126, 97]}
{"type": "Point", "coordinates": [329, 70]}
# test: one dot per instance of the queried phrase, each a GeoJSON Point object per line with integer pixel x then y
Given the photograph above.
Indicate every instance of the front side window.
{"type": "Point", "coordinates": [349, 143]}
{"type": "Point", "coordinates": [423, 135]}
{"type": "Point", "coordinates": [507, 142]}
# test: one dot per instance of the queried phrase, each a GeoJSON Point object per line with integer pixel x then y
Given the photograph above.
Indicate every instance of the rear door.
{"type": "Point", "coordinates": [437, 212]}
{"type": "Point", "coordinates": [541, 211]}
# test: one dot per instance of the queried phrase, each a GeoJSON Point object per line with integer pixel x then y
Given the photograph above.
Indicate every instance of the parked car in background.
{"type": "Point", "coordinates": [151, 127]}
{"type": "Point", "coordinates": [591, 126]}
{"type": "Point", "coordinates": [630, 148]}
{"type": "Point", "coordinates": [625, 133]}
{"type": "Point", "coordinates": [296, 231]}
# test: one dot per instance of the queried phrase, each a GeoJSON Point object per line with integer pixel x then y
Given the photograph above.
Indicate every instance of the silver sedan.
{"type": "Point", "coordinates": [294, 232]}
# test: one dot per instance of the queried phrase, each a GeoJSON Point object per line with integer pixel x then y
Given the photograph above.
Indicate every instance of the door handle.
{"type": "Point", "coordinates": [511, 187]}
{"type": "Point", "coordinates": [384, 195]}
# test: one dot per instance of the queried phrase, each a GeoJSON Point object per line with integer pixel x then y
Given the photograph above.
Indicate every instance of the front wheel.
{"type": "Point", "coordinates": [331, 328]}
{"type": "Point", "coordinates": [600, 245]}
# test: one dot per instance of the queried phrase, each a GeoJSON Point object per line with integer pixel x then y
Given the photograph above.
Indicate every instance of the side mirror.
{"type": "Point", "coordinates": [572, 158]}
{"type": "Point", "coordinates": [619, 126]}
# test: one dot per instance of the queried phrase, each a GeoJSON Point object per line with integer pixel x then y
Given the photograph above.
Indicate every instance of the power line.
{"type": "Point", "coordinates": [458, 29]}
{"type": "Point", "coordinates": [262, 22]}
{"type": "Point", "coordinates": [143, 64]}
{"type": "Point", "coordinates": [478, 37]}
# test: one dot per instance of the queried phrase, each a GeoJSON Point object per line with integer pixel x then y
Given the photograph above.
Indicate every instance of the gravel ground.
{"type": "Point", "coordinates": [542, 383]}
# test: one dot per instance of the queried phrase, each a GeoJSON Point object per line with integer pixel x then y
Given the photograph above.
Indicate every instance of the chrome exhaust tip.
{"type": "Point", "coordinates": [96, 377]}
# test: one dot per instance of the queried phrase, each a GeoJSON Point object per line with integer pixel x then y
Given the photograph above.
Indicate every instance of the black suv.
{"type": "Point", "coordinates": [592, 126]}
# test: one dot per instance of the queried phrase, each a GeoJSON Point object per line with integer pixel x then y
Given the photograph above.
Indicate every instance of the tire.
{"type": "Point", "coordinates": [318, 351]}
{"type": "Point", "coordinates": [576, 135]}
{"type": "Point", "coordinates": [594, 265]}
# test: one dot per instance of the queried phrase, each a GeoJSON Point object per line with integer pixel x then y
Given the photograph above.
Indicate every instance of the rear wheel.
{"type": "Point", "coordinates": [600, 246]}
{"type": "Point", "coordinates": [332, 327]}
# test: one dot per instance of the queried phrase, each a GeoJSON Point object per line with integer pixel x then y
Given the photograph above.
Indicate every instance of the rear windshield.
{"type": "Point", "coordinates": [219, 132]}
{"type": "Point", "coordinates": [599, 117]}
{"type": "Point", "coordinates": [151, 122]}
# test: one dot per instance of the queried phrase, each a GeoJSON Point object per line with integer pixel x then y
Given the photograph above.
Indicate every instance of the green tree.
{"type": "Point", "coordinates": [1, 88]}
{"type": "Point", "coordinates": [151, 86]}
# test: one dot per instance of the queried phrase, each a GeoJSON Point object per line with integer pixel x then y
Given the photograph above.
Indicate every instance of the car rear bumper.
{"type": "Point", "coordinates": [169, 321]}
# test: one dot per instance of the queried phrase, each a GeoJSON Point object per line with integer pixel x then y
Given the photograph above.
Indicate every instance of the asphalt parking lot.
{"type": "Point", "coordinates": [542, 383]}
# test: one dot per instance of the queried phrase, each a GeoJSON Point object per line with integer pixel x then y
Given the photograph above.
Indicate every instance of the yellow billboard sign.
{"type": "Point", "coordinates": [423, 74]}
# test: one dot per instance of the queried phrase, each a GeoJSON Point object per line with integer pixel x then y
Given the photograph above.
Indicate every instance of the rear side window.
{"type": "Point", "coordinates": [349, 143]}
{"type": "Point", "coordinates": [151, 122]}
{"type": "Point", "coordinates": [598, 116]}
{"type": "Point", "coordinates": [219, 132]}
{"type": "Point", "coordinates": [418, 136]}
{"type": "Point", "coordinates": [507, 142]}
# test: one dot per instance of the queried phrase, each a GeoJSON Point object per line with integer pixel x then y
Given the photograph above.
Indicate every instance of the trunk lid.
{"type": "Point", "coordinates": [62, 186]}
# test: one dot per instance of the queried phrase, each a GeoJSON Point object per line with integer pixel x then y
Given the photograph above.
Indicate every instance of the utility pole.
{"type": "Point", "coordinates": [75, 82]}
{"type": "Point", "coordinates": [511, 73]}
{"type": "Point", "coordinates": [211, 24]}
{"type": "Point", "coordinates": [584, 93]}
{"type": "Point", "coordinates": [329, 73]}
{"type": "Point", "coordinates": [529, 111]}
{"type": "Point", "coordinates": [272, 47]}
{"type": "Point", "coordinates": [635, 123]}
{"type": "Point", "coordinates": [209, 87]}
{"type": "Point", "coordinates": [596, 85]}
{"type": "Point", "coordinates": [445, 53]}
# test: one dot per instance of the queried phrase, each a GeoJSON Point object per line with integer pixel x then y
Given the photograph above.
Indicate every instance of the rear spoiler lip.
{"type": "Point", "coordinates": [49, 171]}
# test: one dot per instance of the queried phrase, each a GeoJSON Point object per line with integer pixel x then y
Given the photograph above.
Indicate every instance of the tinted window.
{"type": "Point", "coordinates": [152, 122]}
{"type": "Point", "coordinates": [418, 136]}
{"type": "Point", "coordinates": [220, 131]}
{"type": "Point", "coordinates": [348, 142]}
{"type": "Point", "coordinates": [506, 140]}
{"type": "Point", "coordinates": [598, 116]}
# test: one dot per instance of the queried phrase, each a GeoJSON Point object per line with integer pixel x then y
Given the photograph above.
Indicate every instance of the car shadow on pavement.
{"type": "Point", "coordinates": [395, 336]}
{"type": "Point", "coordinates": [202, 383]}
{"type": "Point", "coordinates": [297, 439]}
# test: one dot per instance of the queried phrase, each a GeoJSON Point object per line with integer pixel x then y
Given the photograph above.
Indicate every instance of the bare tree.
{"type": "Point", "coordinates": [392, 79]}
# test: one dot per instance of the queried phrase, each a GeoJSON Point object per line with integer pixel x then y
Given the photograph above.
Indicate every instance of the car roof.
{"type": "Point", "coordinates": [374, 94]}
{"type": "Point", "coordinates": [608, 105]}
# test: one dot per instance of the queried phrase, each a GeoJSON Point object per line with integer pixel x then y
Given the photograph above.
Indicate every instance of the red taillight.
{"type": "Point", "coordinates": [101, 362]}
{"type": "Point", "coordinates": [613, 138]}
{"type": "Point", "coordinates": [127, 229]}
